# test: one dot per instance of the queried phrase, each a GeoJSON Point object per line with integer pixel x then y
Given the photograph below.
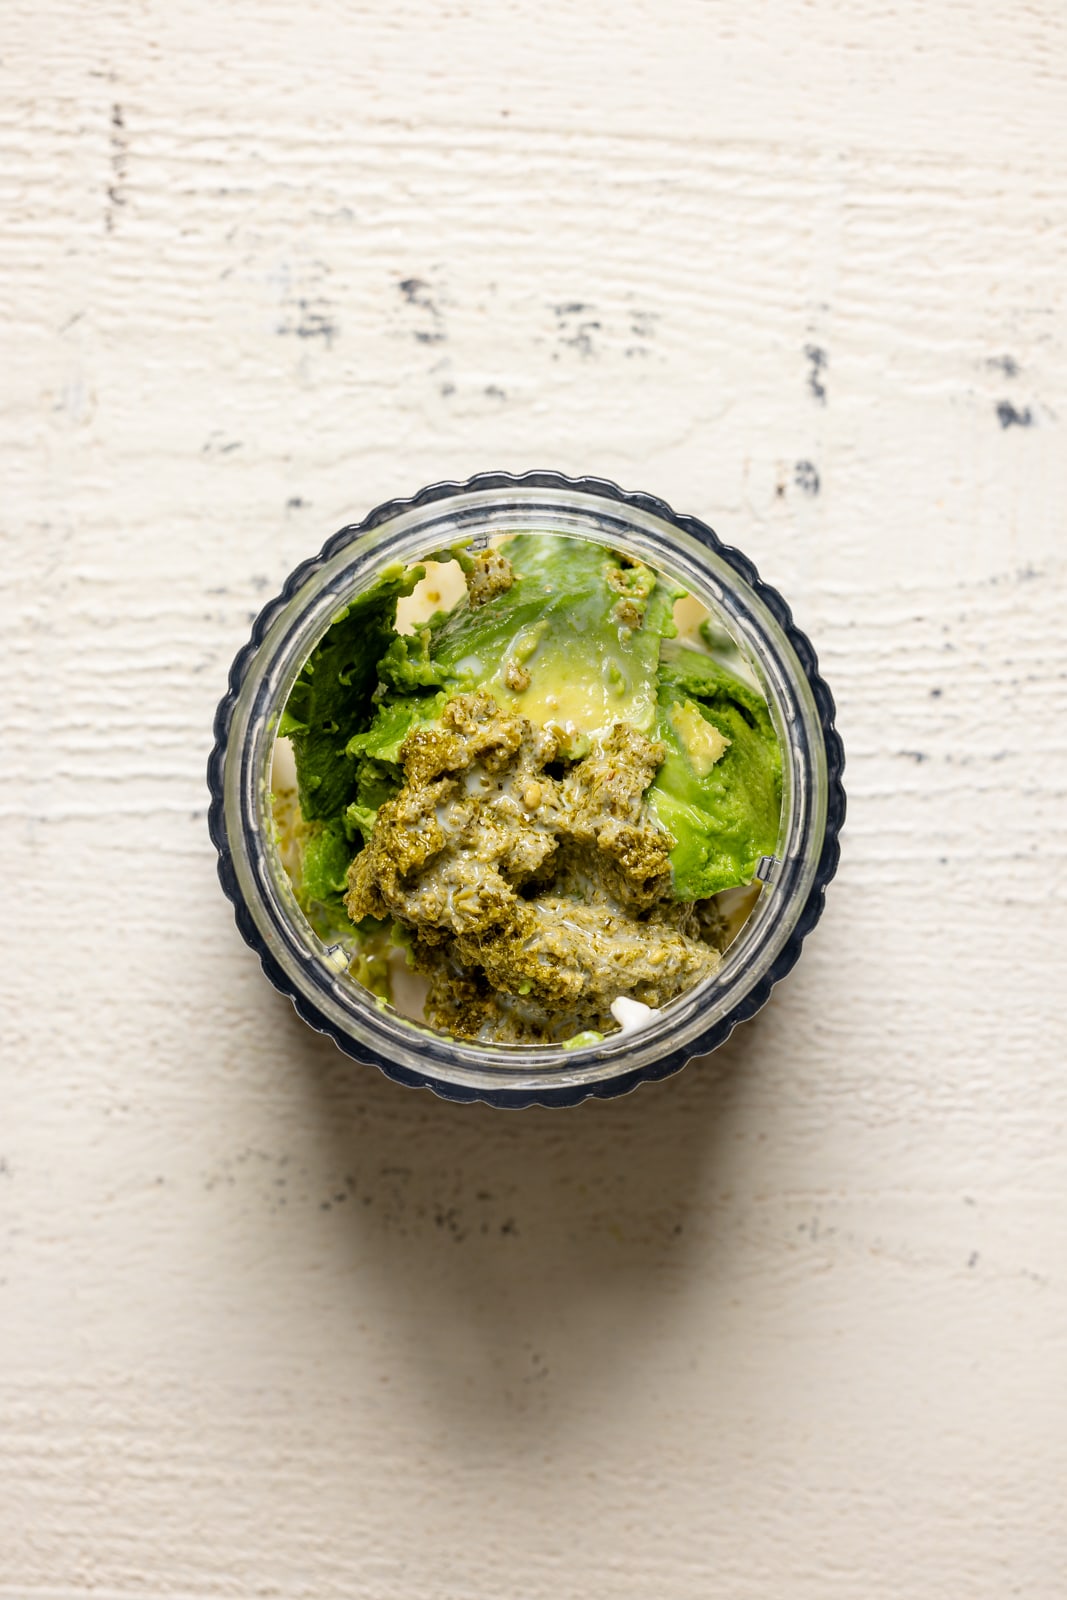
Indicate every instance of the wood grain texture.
{"type": "Point", "coordinates": [792, 1326]}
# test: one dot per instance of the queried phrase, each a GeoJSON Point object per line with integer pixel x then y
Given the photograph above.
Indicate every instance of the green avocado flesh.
{"type": "Point", "coordinates": [538, 795]}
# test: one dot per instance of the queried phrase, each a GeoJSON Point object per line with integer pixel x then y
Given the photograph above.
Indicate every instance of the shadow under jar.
{"type": "Point", "coordinates": [313, 970]}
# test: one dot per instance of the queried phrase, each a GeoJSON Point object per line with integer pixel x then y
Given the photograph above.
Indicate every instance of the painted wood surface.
{"type": "Point", "coordinates": [793, 1325]}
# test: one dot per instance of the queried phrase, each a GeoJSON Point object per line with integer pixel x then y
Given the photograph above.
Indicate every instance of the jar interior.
{"type": "Point", "coordinates": [373, 969]}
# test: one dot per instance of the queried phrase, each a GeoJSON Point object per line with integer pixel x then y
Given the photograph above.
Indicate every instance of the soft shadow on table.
{"type": "Point", "coordinates": [522, 1253]}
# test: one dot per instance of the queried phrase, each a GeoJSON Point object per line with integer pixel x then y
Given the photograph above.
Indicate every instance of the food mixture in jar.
{"type": "Point", "coordinates": [544, 799]}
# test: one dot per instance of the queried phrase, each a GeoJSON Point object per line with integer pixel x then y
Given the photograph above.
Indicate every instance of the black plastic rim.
{"type": "Point", "coordinates": [753, 1001]}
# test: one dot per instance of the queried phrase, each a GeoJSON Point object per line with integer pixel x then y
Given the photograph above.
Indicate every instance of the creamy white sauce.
{"type": "Point", "coordinates": [632, 1014]}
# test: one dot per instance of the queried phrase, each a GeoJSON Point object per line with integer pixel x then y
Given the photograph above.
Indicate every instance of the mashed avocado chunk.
{"type": "Point", "coordinates": [536, 794]}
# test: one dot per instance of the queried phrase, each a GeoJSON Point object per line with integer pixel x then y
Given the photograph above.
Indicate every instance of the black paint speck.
{"type": "Point", "coordinates": [1006, 364]}
{"type": "Point", "coordinates": [495, 392]}
{"type": "Point", "coordinates": [577, 335]}
{"type": "Point", "coordinates": [918, 756]}
{"type": "Point", "coordinates": [935, 694]}
{"type": "Point", "coordinates": [449, 1219]}
{"type": "Point", "coordinates": [313, 320]}
{"type": "Point", "coordinates": [972, 1259]}
{"type": "Point", "coordinates": [582, 340]}
{"type": "Point", "coordinates": [295, 502]}
{"type": "Point", "coordinates": [1010, 416]}
{"type": "Point", "coordinates": [416, 292]}
{"type": "Point", "coordinates": [509, 1226]}
{"type": "Point", "coordinates": [119, 156]}
{"type": "Point", "coordinates": [806, 477]}
{"type": "Point", "coordinates": [818, 362]}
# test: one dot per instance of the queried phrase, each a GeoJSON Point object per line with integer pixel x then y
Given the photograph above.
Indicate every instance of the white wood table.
{"type": "Point", "coordinates": [792, 1325]}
